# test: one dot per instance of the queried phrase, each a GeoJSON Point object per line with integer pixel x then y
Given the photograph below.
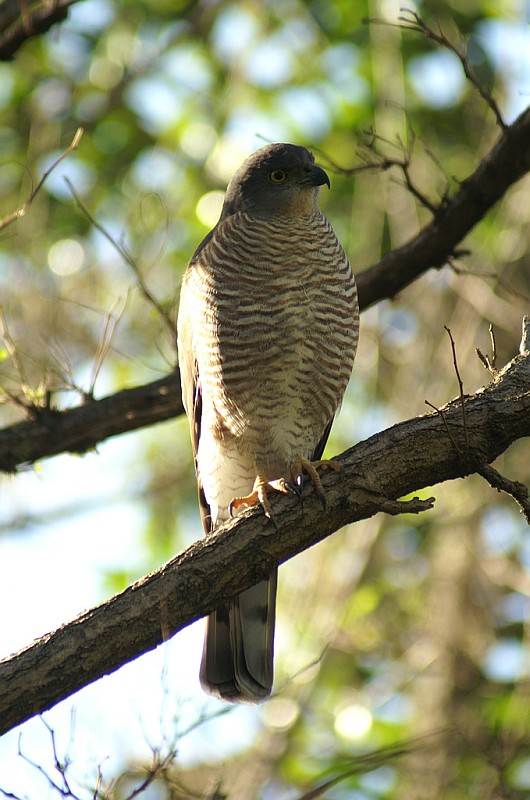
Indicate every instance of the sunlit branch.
{"type": "Point", "coordinates": [80, 429]}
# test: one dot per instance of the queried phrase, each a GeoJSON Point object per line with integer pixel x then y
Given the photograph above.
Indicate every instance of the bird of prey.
{"type": "Point", "coordinates": [267, 333]}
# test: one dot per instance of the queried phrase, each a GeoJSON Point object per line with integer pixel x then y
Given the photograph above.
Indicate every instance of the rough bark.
{"type": "Point", "coordinates": [407, 457]}
{"type": "Point", "coordinates": [80, 429]}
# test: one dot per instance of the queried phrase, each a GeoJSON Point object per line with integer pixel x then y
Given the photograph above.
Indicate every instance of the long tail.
{"type": "Point", "coordinates": [237, 661]}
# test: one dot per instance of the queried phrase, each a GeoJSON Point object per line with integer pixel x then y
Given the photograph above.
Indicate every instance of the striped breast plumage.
{"type": "Point", "coordinates": [280, 326]}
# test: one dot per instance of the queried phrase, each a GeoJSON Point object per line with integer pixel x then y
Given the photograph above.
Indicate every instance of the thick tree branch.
{"type": "Point", "coordinates": [434, 245]}
{"type": "Point", "coordinates": [19, 20]}
{"type": "Point", "coordinates": [410, 456]}
{"type": "Point", "coordinates": [22, 19]}
{"type": "Point", "coordinates": [80, 429]}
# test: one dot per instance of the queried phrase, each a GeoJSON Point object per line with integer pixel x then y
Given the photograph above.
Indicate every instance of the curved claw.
{"type": "Point", "coordinates": [296, 489]}
{"type": "Point", "coordinates": [258, 496]}
{"type": "Point", "coordinates": [272, 519]}
{"type": "Point", "coordinates": [302, 466]}
{"type": "Point", "coordinates": [262, 487]}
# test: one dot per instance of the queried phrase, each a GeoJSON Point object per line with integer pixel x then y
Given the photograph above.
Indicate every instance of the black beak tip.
{"type": "Point", "coordinates": [320, 177]}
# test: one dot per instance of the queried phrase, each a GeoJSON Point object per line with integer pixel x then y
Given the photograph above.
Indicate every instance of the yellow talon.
{"type": "Point", "coordinates": [262, 487]}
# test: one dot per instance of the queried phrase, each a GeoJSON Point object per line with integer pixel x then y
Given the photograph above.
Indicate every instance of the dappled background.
{"type": "Point", "coordinates": [402, 657]}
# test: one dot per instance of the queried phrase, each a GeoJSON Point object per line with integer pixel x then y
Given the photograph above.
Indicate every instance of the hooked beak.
{"type": "Point", "coordinates": [318, 177]}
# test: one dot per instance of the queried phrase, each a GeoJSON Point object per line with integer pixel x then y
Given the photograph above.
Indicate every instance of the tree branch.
{"type": "Point", "coordinates": [435, 244]}
{"type": "Point", "coordinates": [389, 465]}
{"type": "Point", "coordinates": [411, 21]}
{"type": "Point", "coordinates": [80, 429]}
{"type": "Point", "coordinates": [21, 20]}
{"type": "Point", "coordinates": [21, 210]}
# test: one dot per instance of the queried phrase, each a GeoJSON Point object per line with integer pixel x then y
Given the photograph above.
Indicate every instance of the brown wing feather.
{"type": "Point", "coordinates": [191, 392]}
{"type": "Point", "coordinates": [204, 508]}
{"type": "Point", "coordinates": [319, 449]}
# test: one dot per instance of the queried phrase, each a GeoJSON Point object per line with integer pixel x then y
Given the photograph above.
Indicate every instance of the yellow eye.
{"type": "Point", "coordinates": [277, 176]}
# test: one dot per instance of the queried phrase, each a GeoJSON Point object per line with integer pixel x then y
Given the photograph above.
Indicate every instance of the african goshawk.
{"type": "Point", "coordinates": [267, 333]}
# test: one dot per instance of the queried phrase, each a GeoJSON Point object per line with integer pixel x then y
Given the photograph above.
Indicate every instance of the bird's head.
{"type": "Point", "coordinates": [278, 179]}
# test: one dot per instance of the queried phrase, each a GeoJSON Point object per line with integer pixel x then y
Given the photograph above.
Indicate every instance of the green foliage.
{"type": "Point", "coordinates": [395, 617]}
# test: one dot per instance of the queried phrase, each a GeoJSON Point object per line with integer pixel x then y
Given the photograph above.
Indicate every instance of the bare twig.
{"type": "Point", "coordinates": [122, 250]}
{"type": "Point", "coordinates": [20, 212]}
{"type": "Point", "coordinates": [375, 160]}
{"type": "Point", "coordinates": [110, 324]}
{"type": "Point", "coordinates": [28, 399]}
{"type": "Point", "coordinates": [462, 401]}
{"type": "Point", "coordinates": [99, 792]}
{"type": "Point", "coordinates": [158, 765]}
{"type": "Point", "coordinates": [460, 386]}
{"type": "Point", "coordinates": [489, 363]}
{"type": "Point", "coordinates": [411, 20]}
{"type": "Point", "coordinates": [437, 241]}
{"type": "Point", "coordinates": [446, 426]}
{"type": "Point", "coordinates": [164, 238]}
{"type": "Point", "coordinates": [404, 166]}
{"type": "Point", "coordinates": [306, 667]}
{"type": "Point", "coordinates": [61, 786]}
{"type": "Point", "coordinates": [493, 347]}
{"type": "Point", "coordinates": [524, 346]}
{"type": "Point", "coordinates": [9, 795]}
{"type": "Point", "coordinates": [368, 762]}
{"type": "Point", "coordinates": [31, 400]}
{"type": "Point", "coordinates": [517, 490]}
{"type": "Point", "coordinates": [13, 353]}
{"type": "Point", "coordinates": [62, 369]}
{"type": "Point", "coordinates": [500, 282]}
{"type": "Point", "coordinates": [90, 423]}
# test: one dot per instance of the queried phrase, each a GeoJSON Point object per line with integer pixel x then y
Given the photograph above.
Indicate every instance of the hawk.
{"type": "Point", "coordinates": [267, 332]}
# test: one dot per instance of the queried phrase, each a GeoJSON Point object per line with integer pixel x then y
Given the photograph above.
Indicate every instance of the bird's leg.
{"type": "Point", "coordinates": [262, 487]}
{"type": "Point", "coordinates": [302, 465]}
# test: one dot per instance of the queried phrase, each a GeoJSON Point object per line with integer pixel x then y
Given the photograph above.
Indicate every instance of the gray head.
{"type": "Point", "coordinates": [278, 179]}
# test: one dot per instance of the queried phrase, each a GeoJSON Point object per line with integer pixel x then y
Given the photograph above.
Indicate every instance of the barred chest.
{"type": "Point", "coordinates": [280, 325]}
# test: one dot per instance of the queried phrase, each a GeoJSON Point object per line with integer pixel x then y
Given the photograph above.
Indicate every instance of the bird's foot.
{"type": "Point", "coordinates": [303, 465]}
{"type": "Point", "coordinates": [262, 487]}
